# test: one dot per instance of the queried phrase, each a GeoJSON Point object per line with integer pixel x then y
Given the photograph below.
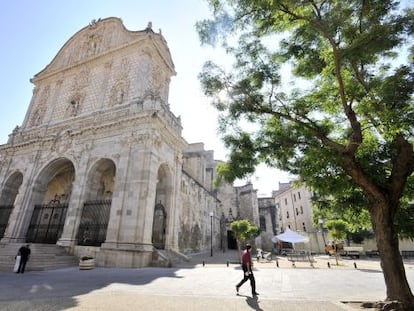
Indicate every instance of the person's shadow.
{"type": "Point", "coordinates": [252, 302]}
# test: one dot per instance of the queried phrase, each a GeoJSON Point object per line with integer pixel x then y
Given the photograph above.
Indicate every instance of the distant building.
{"type": "Point", "coordinates": [294, 208]}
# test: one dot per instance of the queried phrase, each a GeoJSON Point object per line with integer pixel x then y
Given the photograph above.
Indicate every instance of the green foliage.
{"type": "Point", "coordinates": [244, 231]}
{"type": "Point", "coordinates": [338, 229]}
{"type": "Point", "coordinates": [344, 125]}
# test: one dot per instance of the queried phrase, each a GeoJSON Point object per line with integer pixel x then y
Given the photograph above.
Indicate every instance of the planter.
{"type": "Point", "coordinates": [87, 264]}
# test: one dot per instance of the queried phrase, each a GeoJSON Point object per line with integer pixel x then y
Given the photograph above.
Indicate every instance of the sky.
{"type": "Point", "coordinates": [32, 33]}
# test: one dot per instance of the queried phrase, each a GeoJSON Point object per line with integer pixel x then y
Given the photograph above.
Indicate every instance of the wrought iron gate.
{"type": "Point", "coordinates": [158, 226]}
{"type": "Point", "coordinates": [47, 222]}
{"type": "Point", "coordinates": [5, 211]}
{"type": "Point", "coordinates": [94, 222]}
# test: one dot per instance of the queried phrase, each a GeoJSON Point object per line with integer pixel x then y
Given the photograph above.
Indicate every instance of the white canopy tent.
{"type": "Point", "coordinates": [291, 237]}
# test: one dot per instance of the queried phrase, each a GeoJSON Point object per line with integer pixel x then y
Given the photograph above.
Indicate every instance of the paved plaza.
{"type": "Point", "coordinates": [204, 283]}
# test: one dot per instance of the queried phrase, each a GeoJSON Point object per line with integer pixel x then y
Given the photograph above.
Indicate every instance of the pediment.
{"type": "Point", "coordinates": [99, 38]}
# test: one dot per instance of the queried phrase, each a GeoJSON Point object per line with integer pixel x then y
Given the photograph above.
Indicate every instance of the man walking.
{"type": "Point", "coordinates": [24, 253]}
{"type": "Point", "coordinates": [247, 271]}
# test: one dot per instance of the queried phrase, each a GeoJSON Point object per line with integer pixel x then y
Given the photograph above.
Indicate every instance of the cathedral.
{"type": "Point", "coordinates": [99, 165]}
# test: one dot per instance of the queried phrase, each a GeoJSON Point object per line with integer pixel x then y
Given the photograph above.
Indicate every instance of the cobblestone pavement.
{"type": "Point", "coordinates": [204, 283]}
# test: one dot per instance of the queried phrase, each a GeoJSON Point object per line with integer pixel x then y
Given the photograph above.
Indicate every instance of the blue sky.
{"type": "Point", "coordinates": [32, 33]}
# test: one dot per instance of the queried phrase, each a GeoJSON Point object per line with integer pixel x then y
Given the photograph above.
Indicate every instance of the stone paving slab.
{"type": "Point", "coordinates": [127, 302]}
{"type": "Point", "coordinates": [196, 287]}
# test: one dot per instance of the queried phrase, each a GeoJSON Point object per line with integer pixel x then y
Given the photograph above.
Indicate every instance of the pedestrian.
{"type": "Point", "coordinates": [24, 253]}
{"type": "Point", "coordinates": [247, 265]}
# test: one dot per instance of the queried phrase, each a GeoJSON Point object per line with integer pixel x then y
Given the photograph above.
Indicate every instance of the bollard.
{"type": "Point", "coordinates": [227, 263]}
{"type": "Point", "coordinates": [204, 263]}
{"type": "Point", "coordinates": [355, 265]}
{"type": "Point", "coordinates": [329, 265]}
{"type": "Point", "coordinates": [277, 263]}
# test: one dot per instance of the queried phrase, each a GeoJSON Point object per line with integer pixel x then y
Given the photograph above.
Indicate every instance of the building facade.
{"type": "Point", "coordinates": [99, 165]}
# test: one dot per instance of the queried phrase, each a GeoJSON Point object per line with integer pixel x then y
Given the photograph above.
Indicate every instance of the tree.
{"type": "Point", "coordinates": [345, 127]}
{"type": "Point", "coordinates": [243, 231]}
{"type": "Point", "coordinates": [337, 229]}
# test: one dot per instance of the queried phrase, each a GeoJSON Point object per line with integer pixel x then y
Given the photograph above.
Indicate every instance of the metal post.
{"type": "Point", "coordinates": [211, 234]}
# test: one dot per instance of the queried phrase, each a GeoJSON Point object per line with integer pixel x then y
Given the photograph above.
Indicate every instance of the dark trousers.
{"type": "Point", "coordinates": [22, 266]}
{"type": "Point", "coordinates": [248, 277]}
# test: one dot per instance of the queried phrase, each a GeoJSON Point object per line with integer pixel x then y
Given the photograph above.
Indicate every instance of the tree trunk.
{"type": "Point", "coordinates": [391, 260]}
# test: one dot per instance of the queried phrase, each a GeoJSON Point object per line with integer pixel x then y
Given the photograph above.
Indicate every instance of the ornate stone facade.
{"type": "Point", "coordinates": [99, 164]}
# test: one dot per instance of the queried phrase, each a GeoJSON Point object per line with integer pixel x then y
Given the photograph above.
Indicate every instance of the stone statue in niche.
{"type": "Point", "coordinates": [118, 93]}
{"type": "Point", "coordinates": [92, 42]}
{"type": "Point", "coordinates": [73, 108]}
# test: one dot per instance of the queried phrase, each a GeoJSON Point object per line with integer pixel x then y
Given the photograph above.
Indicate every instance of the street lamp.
{"type": "Point", "coordinates": [211, 234]}
{"type": "Point", "coordinates": [321, 227]}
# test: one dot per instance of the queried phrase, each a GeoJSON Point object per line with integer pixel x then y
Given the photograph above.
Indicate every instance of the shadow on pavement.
{"type": "Point", "coordinates": [59, 288]}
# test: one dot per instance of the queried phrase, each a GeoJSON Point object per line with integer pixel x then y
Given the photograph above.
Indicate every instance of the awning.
{"type": "Point", "coordinates": [290, 236]}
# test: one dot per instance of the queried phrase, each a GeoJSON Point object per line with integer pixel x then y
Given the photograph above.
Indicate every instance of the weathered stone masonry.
{"type": "Point", "coordinates": [99, 136]}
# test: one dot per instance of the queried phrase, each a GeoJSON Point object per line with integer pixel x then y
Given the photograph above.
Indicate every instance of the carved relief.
{"type": "Point", "coordinates": [144, 74]}
{"type": "Point", "coordinates": [135, 139]}
{"type": "Point", "coordinates": [93, 39]}
{"type": "Point", "coordinates": [81, 80]}
{"type": "Point", "coordinates": [40, 109]}
{"type": "Point", "coordinates": [62, 142]}
{"type": "Point", "coordinates": [156, 80]}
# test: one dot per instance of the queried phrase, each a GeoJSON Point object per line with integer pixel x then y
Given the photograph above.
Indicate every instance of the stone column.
{"type": "Point", "coordinates": [73, 215]}
{"type": "Point", "coordinates": [119, 206]}
{"type": "Point", "coordinates": [146, 200]}
{"type": "Point", "coordinates": [175, 204]}
{"type": "Point", "coordinates": [19, 220]}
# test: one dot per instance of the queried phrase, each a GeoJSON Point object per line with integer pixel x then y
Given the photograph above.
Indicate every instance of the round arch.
{"type": "Point", "coordinates": [50, 199]}
{"type": "Point", "coordinates": [7, 198]}
{"type": "Point", "coordinates": [161, 207]}
{"type": "Point", "coordinates": [97, 205]}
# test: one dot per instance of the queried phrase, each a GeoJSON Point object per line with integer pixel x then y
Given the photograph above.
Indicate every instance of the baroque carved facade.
{"type": "Point", "coordinates": [99, 165]}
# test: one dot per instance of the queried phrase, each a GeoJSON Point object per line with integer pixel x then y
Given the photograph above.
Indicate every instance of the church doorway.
{"type": "Point", "coordinates": [162, 201]}
{"type": "Point", "coordinates": [97, 207]}
{"type": "Point", "coordinates": [51, 194]}
{"type": "Point", "coordinates": [231, 240]}
{"type": "Point", "coordinates": [7, 198]}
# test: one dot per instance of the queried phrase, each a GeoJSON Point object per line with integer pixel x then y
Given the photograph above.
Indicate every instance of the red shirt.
{"type": "Point", "coordinates": [246, 259]}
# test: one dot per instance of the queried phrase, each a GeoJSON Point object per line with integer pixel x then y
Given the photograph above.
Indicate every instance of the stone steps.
{"type": "Point", "coordinates": [168, 258]}
{"type": "Point", "coordinates": [42, 257]}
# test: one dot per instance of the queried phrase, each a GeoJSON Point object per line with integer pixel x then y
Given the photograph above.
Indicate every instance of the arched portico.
{"type": "Point", "coordinates": [96, 207]}
{"type": "Point", "coordinates": [50, 197]}
{"type": "Point", "coordinates": [7, 199]}
{"type": "Point", "coordinates": [162, 207]}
